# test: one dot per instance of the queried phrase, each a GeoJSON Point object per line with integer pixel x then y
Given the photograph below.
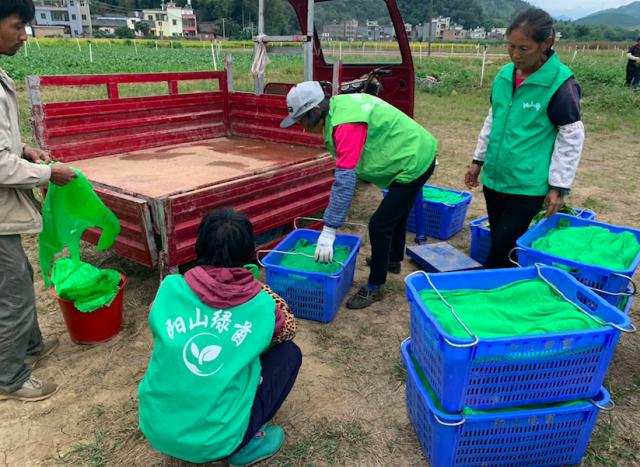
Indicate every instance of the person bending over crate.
{"type": "Point", "coordinates": [371, 139]}
{"type": "Point", "coordinates": [223, 359]}
{"type": "Point", "coordinates": [531, 142]}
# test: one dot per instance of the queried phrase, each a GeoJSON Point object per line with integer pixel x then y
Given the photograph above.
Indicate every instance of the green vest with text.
{"type": "Point", "coordinates": [197, 393]}
{"type": "Point", "coordinates": [397, 148]}
{"type": "Point", "coordinates": [522, 136]}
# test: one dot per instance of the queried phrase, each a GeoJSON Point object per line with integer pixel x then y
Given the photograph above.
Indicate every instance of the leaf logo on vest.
{"type": "Point", "coordinates": [200, 354]}
{"type": "Point", "coordinates": [202, 350]}
{"type": "Point", "coordinates": [532, 105]}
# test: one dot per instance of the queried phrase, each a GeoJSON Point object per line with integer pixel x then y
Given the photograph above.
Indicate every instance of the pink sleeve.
{"type": "Point", "coordinates": [349, 139]}
{"type": "Point", "coordinates": [280, 321]}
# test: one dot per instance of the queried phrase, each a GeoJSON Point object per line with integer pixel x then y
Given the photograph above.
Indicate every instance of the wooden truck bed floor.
{"type": "Point", "coordinates": [167, 170]}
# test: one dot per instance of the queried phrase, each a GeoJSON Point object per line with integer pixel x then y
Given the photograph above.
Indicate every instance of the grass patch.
{"type": "Point", "coordinates": [595, 204]}
{"type": "Point", "coordinates": [112, 431]}
{"type": "Point", "coordinates": [398, 372]}
{"type": "Point", "coordinates": [608, 446]}
{"type": "Point", "coordinates": [330, 442]}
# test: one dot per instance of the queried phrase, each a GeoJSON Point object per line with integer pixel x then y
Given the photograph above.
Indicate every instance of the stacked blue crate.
{"type": "Point", "coordinates": [505, 373]}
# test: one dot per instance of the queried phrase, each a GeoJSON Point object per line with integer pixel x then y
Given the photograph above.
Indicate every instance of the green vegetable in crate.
{"type": "Point", "coordinates": [542, 214]}
{"type": "Point", "coordinates": [303, 259]}
{"type": "Point", "coordinates": [528, 307]}
{"type": "Point", "coordinates": [592, 245]}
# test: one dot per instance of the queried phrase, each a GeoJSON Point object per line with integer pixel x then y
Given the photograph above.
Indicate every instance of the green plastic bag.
{"type": "Point", "coordinates": [308, 263]}
{"type": "Point", "coordinates": [522, 308]}
{"type": "Point", "coordinates": [88, 287]}
{"type": "Point", "coordinates": [68, 211]}
{"type": "Point", "coordinates": [441, 196]}
{"type": "Point", "coordinates": [592, 245]}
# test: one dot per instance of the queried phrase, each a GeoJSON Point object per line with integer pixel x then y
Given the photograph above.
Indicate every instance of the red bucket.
{"type": "Point", "coordinates": [97, 326]}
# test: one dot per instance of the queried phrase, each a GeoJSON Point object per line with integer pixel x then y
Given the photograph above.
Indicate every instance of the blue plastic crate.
{"type": "Point", "coordinates": [439, 220]}
{"type": "Point", "coordinates": [311, 295]}
{"type": "Point", "coordinates": [610, 284]}
{"type": "Point", "coordinates": [480, 239]}
{"type": "Point", "coordinates": [521, 370]}
{"type": "Point", "coordinates": [481, 234]}
{"type": "Point", "coordinates": [553, 436]}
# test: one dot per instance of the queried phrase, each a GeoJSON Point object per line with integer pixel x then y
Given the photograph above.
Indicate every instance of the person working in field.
{"type": "Point", "coordinates": [531, 143]}
{"type": "Point", "coordinates": [21, 170]}
{"type": "Point", "coordinates": [223, 359]}
{"type": "Point", "coordinates": [633, 65]}
{"type": "Point", "coordinates": [371, 139]}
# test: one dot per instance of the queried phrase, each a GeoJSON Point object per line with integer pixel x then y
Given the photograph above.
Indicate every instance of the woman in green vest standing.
{"type": "Point", "coordinates": [223, 361]}
{"type": "Point", "coordinates": [531, 143]}
{"type": "Point", "coordinates": [373, 140]}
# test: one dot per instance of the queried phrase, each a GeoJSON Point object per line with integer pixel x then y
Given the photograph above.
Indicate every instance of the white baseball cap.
{"type": "Point", "coordinates": [300, 99]}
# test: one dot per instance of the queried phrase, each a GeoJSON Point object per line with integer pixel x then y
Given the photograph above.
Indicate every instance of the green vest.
{"type": "Point", "coordinates": [197, 393]}
{"type": "Point", "coordinates": [397, 149]}
{"type": "Point", "coordinates": [522, 136]}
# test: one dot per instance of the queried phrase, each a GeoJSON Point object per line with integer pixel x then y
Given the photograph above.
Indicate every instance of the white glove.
{"type": "Point", "coordinates": [324, 249]}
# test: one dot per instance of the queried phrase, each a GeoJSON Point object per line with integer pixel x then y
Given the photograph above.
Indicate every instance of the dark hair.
{"type": "Point", "coordinates": [23, 8]}
{"type": "Point", "coordinates": [536, 23]}
{"type": "Point", "coordinates": [225, 239]}
{"type": "Point", "coordinates": [316, 114]}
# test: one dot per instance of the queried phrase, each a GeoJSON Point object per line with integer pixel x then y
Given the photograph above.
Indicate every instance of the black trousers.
{"type": "Point", "coordinates": [280, 367]}
{"type": "Point", "coordinates": [388, 226]}
{"type": "Point", "coordinates": [509, 219]}
{"type": "Point", "coordinates": [633, 74]}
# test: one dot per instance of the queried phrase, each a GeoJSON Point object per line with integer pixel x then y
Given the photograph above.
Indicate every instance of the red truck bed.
{"type": "Point", "coordinates": [180, 168]}
{"type": "Point", "coordinates": [162, 162]}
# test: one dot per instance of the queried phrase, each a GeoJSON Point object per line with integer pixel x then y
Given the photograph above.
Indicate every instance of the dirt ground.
{"type": "Point", "coordinates": [348, 405]}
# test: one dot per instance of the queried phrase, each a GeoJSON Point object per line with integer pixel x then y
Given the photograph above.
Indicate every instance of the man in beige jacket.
{"type": "Point", "coordinates": [21, 170]}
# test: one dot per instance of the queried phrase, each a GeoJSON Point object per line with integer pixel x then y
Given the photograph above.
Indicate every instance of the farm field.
{"type": "Point", "coordinates": [348, 405]}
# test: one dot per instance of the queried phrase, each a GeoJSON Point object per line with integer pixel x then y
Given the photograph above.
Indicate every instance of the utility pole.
{"type": "Point", "coordinates": [430, 27]}
{"type": "Point", "coordinates": [224, 36]}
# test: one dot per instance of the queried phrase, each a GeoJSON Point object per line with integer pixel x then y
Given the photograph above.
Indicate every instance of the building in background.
{"type": "Point", "coordinates": [85, 17]}
{"type": "Point", "coordinates": [455, 32]}
{"type": "Point", "coordinates": [171, 21]}
{"type": "Point", "coordinates": [159, 21]}
{"type": "Point", "coordinates": [132, 23]}
{"type": "Point", "coordinates": [343, 31]}
{"type": "Point", "coordinates": [189, 21]}
{"type": "Point", "coordinates": [438, 26]}
{"type": "Point", "coordinates": [64, 13]}
{"type": "Point", "coordinates": [174, 18]}
{"type": "Point", "coordinates": [49, 31]}
{"type": "Point", "coordinates": [108, 24]}
{"type": "Point", "coordinates": [374, 31]}
{"type": "Point", "coordinates": [497, 34]}
{"type": "Point", "coordinates": [477, 34]}
{"type": "Point", "coordinates": [208, 30]}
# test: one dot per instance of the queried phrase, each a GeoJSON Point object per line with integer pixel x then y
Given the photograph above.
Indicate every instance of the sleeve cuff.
{"type": "Point", "coordinates": [44, 171]}
{"type": "Point", "coordinates": [561, 191]}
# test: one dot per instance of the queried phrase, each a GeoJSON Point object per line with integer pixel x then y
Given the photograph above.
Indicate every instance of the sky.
{"type": "Point", "coordinates": [575, 9]}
